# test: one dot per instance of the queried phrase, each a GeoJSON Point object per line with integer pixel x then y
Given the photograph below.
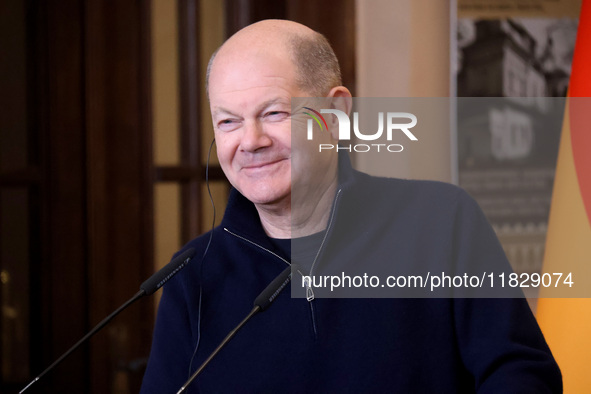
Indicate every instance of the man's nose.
{"type": "Point", "coordinates": [254, 137]}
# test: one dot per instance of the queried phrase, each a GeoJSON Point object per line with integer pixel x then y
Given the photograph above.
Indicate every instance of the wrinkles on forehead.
{"type": "Point", "coordinates": [241, 76]}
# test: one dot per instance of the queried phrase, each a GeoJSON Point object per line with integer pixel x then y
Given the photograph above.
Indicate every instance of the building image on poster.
{"type": "Point", "coordinates": [511, 73]}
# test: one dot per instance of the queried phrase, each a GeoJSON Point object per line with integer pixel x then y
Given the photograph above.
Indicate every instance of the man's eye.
{"type": "Point", "coordinates": [276, 115]}
{"type": "Point", "coordinates": [227, 124]}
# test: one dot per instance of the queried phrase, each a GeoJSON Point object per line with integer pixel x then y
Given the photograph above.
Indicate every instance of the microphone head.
{"type": "Point", "coordinates": [158, 280]}
{"type": "Point", "coordinates": [271, 292]}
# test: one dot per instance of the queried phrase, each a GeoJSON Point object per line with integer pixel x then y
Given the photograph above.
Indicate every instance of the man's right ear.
{"type": "Point", "coordinates": [340, 99]}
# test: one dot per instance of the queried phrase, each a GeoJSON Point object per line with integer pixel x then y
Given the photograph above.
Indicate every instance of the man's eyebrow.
{"type": "Point", "coordinates": [220, 110]}
{"type": "Point", "coordinates": [276, 100]}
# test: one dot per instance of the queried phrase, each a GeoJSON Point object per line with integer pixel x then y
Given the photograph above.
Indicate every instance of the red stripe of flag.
{"type": "Point", "coordinates": [580, 108]}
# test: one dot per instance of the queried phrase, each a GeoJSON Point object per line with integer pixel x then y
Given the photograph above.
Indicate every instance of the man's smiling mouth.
{"type": "Point", "coordinates": [256, 166]}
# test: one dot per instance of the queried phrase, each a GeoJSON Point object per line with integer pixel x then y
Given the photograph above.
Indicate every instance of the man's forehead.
{"type": "Point", "coordinates": [263, 45]}
{"type": "Point", "coordinates": [250, 58]}
{"type": "Point", "coordinates": [264, 74]}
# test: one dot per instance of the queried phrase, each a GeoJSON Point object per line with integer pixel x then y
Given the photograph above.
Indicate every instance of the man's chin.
{"type": "Point", "coordinates": [266, 196]}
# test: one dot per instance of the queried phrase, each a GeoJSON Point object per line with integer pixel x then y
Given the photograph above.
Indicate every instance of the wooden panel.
{"type": "Point", "coordinates": [89, 181]}
{"type": "Point", "coordinates": [241, 13]}
{"type": "Point", "coordinates": [185, 174]}
{"type": "Point", "coordinates": [119, 176]}
{"type": "Point", "coordinates": [59, 120]}
{"type": "Point", "coordinates": [190, 110]}
{"type": "Point", "coordinates": [13, 82]}
{"type": "Point", "coordinates": [166, 98]}
{"type": "Point", "coordinates": [30, 176]}
{"type": "Point", "coordinates": [14, 284]}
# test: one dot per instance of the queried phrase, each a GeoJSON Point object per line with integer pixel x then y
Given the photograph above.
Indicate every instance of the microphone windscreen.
{"type": "Point", "coordinates": [158, 280]}
{"type": "Point", "coordinates": [268, 295]}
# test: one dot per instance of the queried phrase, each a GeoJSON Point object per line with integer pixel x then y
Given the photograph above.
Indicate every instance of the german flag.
{"type": "Point", "coordinates": [566, 322]}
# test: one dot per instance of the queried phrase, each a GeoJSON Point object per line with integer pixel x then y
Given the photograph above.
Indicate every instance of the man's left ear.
{"type": "Point", "coordinates": [340, 99]}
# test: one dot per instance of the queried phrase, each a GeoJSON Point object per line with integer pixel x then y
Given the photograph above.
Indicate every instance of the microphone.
{"type": "Point", "coordinates": [155, 282]}
{"type": "Point", "coordinates": [158, 280]}
{"type": "Point", "coordinates": [267, 296]}
{"type": "Point", "coordinates": [261, 303]}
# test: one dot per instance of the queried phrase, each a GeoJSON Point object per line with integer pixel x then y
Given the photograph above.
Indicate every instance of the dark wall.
{"type": "Point", "coordinates": [86, 180]}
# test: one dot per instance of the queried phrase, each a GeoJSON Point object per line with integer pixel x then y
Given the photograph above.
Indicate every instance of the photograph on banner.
{"type": "Point", "coordinates": [507, 152]}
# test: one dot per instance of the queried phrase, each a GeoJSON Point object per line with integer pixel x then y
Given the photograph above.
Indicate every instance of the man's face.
{"type": "Point", "coordinates": [250, 98]}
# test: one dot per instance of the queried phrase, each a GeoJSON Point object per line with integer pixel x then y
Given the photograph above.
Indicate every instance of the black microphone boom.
{"type": "Point", "coordinates": [155, 282]}
{"type": "Point", "coordinates": [261, 303]}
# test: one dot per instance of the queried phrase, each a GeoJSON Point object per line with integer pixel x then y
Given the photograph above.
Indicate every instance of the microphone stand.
{"type": "Point", "coordinates": [149, 286]}
{"type": "Point", "coordinates": [220, 346]}
{"type": "Point", "coordinates": [96, 329]}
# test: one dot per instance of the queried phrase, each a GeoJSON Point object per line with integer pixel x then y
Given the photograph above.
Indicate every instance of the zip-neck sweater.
{"type": "Point", "coordinates": [326, 345]}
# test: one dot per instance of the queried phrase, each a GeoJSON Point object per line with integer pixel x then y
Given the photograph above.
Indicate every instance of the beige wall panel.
{"type": "Point", "coordinates": [167, 224]}
{"type": "Point", "coordinates": [212, 36]}
{"type": "Point", "coordinates": [165, 82]}
{"type": "Point", "coordinates": [219, 193]}
{"type": "Point", "coordinates": [403, 51]}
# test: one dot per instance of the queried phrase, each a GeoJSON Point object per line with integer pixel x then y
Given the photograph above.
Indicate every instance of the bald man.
{"type": "Point", "coordinates": [284, 191]}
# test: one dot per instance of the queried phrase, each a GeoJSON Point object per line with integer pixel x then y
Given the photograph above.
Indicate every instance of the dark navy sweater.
{"type": "Point", "coordinates": [403, 345]}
